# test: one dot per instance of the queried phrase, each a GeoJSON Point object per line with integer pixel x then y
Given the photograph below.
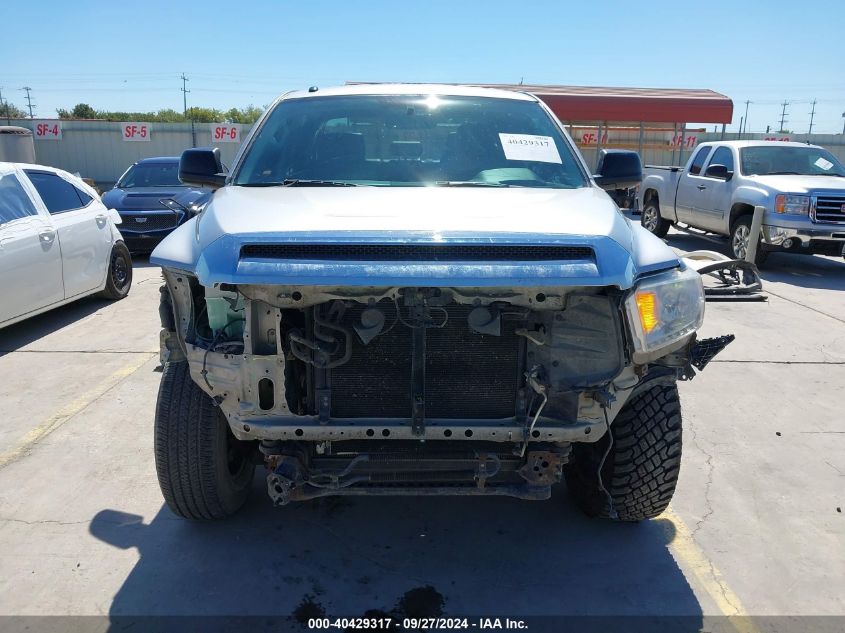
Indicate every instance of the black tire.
{"type": "Point", "coordinates": [651, 220]}
{"type": "Point", "coordinates": [642, 466]}
{"type": "Point", "coordinates": [119, 274]}
{"type": "Point", "coordinates": [203, 471]}
{"type": "Point", "coordinates": [738, 243]}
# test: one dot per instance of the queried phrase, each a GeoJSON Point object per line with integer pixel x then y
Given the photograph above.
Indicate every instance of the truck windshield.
{"type": "Point", "coordinates": [778, 159]}
{"type": "Point", "coordinates": [151, 175]}
{"type": "Point", "coordinates": [410, 140]}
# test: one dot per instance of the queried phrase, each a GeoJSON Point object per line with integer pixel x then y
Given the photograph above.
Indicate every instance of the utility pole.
{"type": "Point", "coordinates": [745, 129]}
{"type": "Point", "coordinates": [3, 107]}
{"type": "Point", "coordinates": [812, 116]}
{"type": "Point", "coordinates": [28, 100]}
{"type": "Point", "coordinates": [185, 92]}
{"type": "Point", "coordinates": [783, 115]}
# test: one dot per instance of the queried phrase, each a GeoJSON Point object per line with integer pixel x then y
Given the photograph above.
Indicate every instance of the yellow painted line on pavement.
{"type": "Point", "coordinates": [708, 578]}
{"type": "Point", "coordinates": [64, 414]}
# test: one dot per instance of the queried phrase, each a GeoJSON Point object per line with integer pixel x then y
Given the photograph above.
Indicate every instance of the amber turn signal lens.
{"type": "Point", "coordinates": [647, 305]}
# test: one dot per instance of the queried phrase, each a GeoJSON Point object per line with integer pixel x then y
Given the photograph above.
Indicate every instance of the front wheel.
{"type": "Point", "coordinates": [741, 238]}
{"type": "Point", "coordinates": [204, 472]}
{"type": "Point", "coordinates": [642, 459]}
{"type": "Point", "coordinates": [119, 274]}
{"type": "Point", "coordinates": [652, 221]}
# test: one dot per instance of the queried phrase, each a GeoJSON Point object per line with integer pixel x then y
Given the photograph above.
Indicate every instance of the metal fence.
{"type": "Point", "coordinates": [100, 149]}
{"type": "Point", "coordinates": [668, 146]}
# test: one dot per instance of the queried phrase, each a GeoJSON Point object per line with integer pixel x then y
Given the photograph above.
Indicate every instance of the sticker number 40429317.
{"type": "Point", "coordinates": [530, 147]}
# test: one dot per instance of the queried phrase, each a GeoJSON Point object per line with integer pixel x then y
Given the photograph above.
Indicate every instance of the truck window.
{"type": "Point", "coordinates": [766, 160]}
{"type": "Point", "coordinates": [723, 156]}
{"type": "Point", "coordinates": [411, 140]}
{"type": "Point", "coordinates": [698, 162]}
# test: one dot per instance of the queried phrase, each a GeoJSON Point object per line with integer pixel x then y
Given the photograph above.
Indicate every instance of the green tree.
{"type": "Point", "coordinates": [247, 115]}
{"type": "Point", "coordinates": [84, 111]}
{"type": "Point", "coordinates": [204, 115]}
{"type": "Point", "coordinates": [10, 111]}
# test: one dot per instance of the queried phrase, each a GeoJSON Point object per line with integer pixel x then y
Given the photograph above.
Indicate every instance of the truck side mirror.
{"type": "Point", "coordinates": [618, 169]}
{"type": "Point", "coordinates": [202, 167]}
{"type": "Point", "coordinates": [718, 171]}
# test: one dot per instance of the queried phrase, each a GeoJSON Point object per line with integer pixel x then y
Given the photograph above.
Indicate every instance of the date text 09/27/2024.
{"type": "Point", "coordinates": [416, 624]}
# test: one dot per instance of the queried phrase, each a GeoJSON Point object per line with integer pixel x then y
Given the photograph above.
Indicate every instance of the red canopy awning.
{"type": "Point", "coordinates": [630, 105]}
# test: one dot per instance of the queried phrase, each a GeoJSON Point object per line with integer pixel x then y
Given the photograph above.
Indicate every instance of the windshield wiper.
{"type": "Point", "coordinates": [298, 182]}
{"type": "Point", "coordinates": [783, 173]}
{"type": "Point", "coordinates": [468, 183]}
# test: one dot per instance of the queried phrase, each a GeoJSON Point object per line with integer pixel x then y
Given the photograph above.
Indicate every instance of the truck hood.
{"type": "Point", "coordinates": [239, 216]}
{"type": "Point", "coordinates": [802, 184]}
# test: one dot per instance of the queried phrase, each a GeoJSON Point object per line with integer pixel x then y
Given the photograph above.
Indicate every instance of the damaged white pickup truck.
{"type": "Point", "coordinates": [420, 290]}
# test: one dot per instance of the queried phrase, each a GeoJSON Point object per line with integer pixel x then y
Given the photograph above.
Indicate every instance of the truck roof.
{"type": "Point", "coordinates": [411, 89]}
{"type": "Point", "coordinates": [753, 143]}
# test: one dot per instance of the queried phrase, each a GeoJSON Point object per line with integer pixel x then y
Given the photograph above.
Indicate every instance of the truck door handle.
{"type": "Point", "coordinates": [701, 187]}
{"type": "Point", "coordinates": [47, 236]}
{"type": "Point", "coordinates": [101, 219]}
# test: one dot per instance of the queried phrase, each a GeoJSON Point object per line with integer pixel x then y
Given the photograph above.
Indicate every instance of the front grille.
{"type": "Point", "coordinates": [830, 209]}
{"type": "Point", "coordinates": [148, 222]}
{"type": "Point", "coordinates": [467, 375]}
{"type": "Point", "coordinates": [417, 252]}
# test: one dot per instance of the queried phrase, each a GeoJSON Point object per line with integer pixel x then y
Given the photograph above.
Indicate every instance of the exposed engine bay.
{"type": "Point", "coordinates": [375, 390]}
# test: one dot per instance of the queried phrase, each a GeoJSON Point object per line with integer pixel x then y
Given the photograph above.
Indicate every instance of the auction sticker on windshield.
{"type": "Point", "coordinates": [823, 163]}
{"type": "Point", "coordinates": [540, 149]}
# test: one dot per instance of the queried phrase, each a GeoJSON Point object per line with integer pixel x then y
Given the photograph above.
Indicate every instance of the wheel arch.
{"type": "Point", "coordinates": [739, 209]}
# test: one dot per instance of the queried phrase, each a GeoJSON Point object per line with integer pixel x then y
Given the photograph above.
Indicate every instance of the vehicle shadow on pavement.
{"type": "Point", "coordinates": [142, 260]}
{"type": "Point", "coordinates": [21, 334]}
{"type": "Point", "coordinates": [347, 556]}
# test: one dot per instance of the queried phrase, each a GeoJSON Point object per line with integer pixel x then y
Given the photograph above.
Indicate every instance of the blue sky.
{"type": "Point", "coordinates": [118, 55]}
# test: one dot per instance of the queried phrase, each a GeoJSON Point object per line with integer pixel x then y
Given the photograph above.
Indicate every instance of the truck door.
{"type": "Point", "coordinates": [30, 259]}
{"type": "Point", "coordinates": [716, 201]}
{"type": "Point", "coordinates": [84, 231]}
{"type": "Point", "coordinates": [691, 186]}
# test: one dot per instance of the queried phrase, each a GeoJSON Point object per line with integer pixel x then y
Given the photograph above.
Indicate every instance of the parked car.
{"type": "Point", "coordinates": [415, 289]}
{"type": "Point", "coordinates": [801, 186]}
{"type": "Point", "coordinates": [58, 243]}
{"type": "Point", "coordinates": [138, 197]}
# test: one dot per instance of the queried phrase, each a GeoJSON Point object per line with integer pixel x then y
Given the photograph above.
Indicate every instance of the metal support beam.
{"type": "Point", "coordinates": [598, 147]}
{"type": "Point", "coordinates": [640, 141]}
{"type": "Point", "coordinates": [418, 378]}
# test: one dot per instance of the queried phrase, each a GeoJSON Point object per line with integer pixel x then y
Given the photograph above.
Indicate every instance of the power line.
{"type": "Point", "coordinates": [28, 100]}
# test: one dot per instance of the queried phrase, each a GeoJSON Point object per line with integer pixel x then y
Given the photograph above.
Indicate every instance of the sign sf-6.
{"type": "Point", "coordinates": [135, 131]}
{"type": "Point", "coordinates": [226, 132]}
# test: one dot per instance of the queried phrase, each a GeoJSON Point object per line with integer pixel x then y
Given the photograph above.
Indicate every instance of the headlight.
{"type": "Point", "coordinates": [794, 205]}
{"type": "Point", "coordinates": [665, 308]}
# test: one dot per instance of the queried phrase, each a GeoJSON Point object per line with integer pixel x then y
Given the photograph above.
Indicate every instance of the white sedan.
{"type": "Point", "coordinates": [58, 243]}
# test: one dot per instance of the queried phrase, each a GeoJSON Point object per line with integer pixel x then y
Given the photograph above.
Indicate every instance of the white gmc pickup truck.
{"type": "Point", "coordinates": [801, 186]}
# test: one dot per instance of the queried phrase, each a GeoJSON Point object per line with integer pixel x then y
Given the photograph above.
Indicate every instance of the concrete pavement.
{"type": "Point", "coordinates": [755, 528]}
